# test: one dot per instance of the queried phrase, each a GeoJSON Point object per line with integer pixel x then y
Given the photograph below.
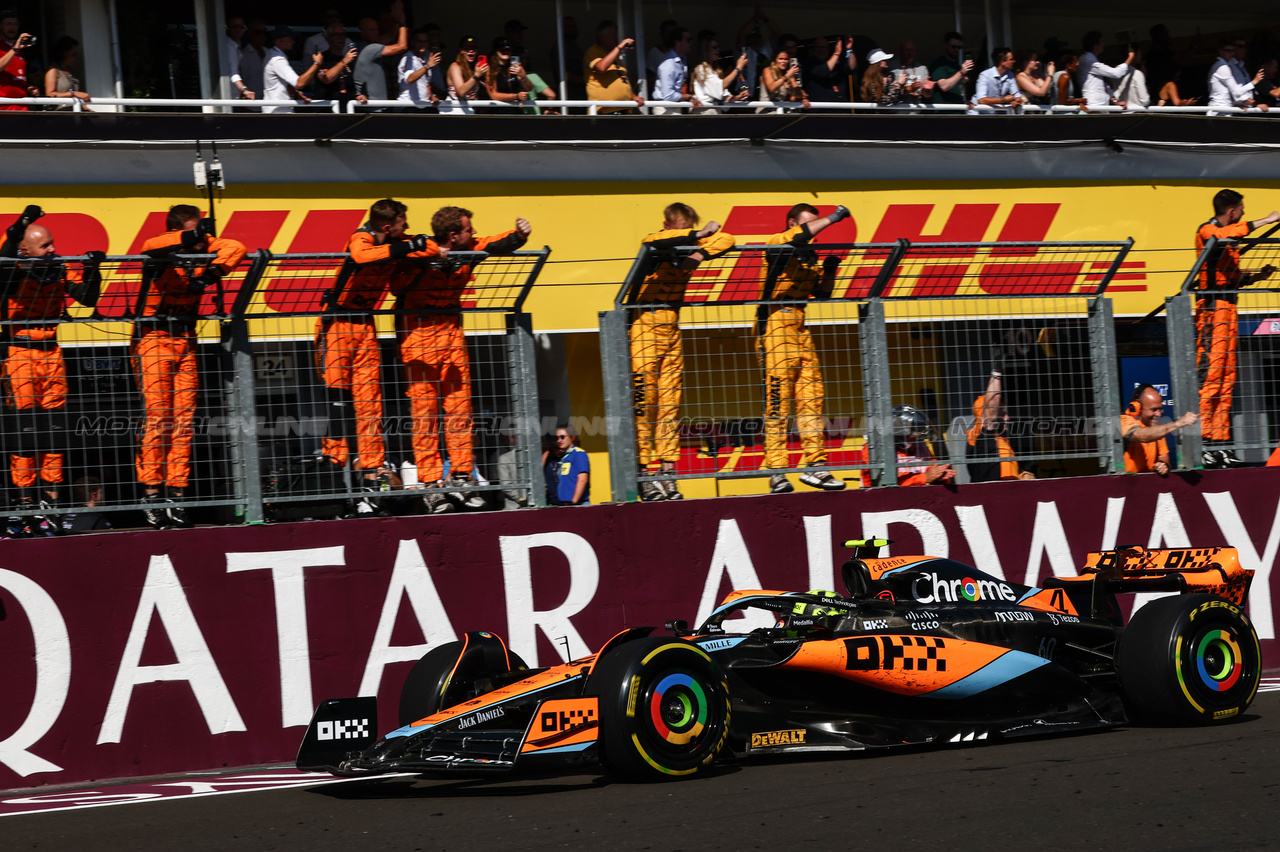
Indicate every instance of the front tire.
{"type": "Point", "coordinates": [439, 680]}
{"type": "Point", "coordinates": [664, 709]}
{"type": "Point", "coordinates": [1189, 659]}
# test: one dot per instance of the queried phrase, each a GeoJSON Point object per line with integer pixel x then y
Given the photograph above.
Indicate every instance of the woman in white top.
{"type": "Point", "coordinates": [464, 83]}
{"type": "Point", "coordinates": [414, 72]}
{"type": "Point", "coordinates": [708, 86]}
{"type": "Point", "coordinates": [1034, 89]}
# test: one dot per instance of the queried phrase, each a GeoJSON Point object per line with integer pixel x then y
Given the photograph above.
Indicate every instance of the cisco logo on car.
{"type": "Point", "coordinates": [937, 589]}
{"type": "Point", "coordinates": [346, 729]}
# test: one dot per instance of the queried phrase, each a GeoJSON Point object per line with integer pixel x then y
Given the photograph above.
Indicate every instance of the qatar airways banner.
{"type": "Point", "coordinates": [132, 654]}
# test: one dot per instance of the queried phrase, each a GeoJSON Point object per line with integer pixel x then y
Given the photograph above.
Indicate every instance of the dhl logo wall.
{"type": "Point", "coordinates": [594, 235]}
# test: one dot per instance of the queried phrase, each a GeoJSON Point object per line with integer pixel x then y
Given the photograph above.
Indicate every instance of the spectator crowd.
{"type": "Point", "coordinates": [382, 59]}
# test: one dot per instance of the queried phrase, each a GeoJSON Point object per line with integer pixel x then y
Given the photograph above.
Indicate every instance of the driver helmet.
{"type": "Point", "coordinates": [910, 426]}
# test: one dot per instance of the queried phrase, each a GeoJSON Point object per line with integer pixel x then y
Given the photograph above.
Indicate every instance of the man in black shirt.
{"type": "Point", "coordinates": [826, 80]}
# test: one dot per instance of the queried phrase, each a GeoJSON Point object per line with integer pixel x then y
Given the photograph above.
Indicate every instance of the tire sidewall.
{"type": "Point", "coordinates": [1190, 659]}
{"type": "Point", "coordinates": [627, 681]}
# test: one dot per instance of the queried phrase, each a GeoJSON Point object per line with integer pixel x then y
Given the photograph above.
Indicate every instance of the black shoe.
{"type": "Point", "coordinates": [670, 489]}
{"type": "Point", "coordinates": [154, 511]}
{"type": "Point", "coordinates": [436, 502]}
{"type": "Point", "coordinates": [778, 484]}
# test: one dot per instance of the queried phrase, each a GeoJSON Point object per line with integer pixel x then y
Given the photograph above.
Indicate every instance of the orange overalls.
{"type": "Point", "coordinates": [1217, 329]}
{"type": "Point", "coordinates": [347, 353]}
{"type": "Point", "coordinates": [437, 368]}
{"type": "Point", "coordinates": [793, 375]}
{"type": "Point", "coordinates": [164, 359]}
{"type": "Point", "coordinates": [35, 375]}
{"type": "Point", "coordinates": [657, 357]}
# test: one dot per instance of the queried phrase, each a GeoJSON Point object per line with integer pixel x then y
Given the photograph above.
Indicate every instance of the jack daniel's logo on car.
{"type": "Point", "coordinates": [482, 716]}
{"type": "Point", "coordinates": [931, 588]}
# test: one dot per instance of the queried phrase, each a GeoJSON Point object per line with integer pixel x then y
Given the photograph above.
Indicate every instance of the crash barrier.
{"type": "Point", "coordinates": [650, 107]}
{"type": "Point", "coordinates": [265, 409]}
{"type": "Point", "coordinates": [743, 374]}
{"type": "Point", "coordinates": [1224, 351]}
{"type": "Point", "coordinates": [258, 624]}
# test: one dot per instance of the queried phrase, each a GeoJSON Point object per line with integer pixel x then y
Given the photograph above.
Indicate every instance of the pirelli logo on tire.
{"type": "Point", "coordinates": [774, 739]}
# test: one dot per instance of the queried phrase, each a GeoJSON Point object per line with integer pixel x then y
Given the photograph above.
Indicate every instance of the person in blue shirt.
{"type": "Point", "coordinates": [568, 471]}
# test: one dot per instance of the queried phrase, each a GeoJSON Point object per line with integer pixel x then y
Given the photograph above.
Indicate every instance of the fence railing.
{"type": "Point", "coordinates": [734, 371]}
{"type": "Point", "coordinates": [1224, 351]}
{"type": "Point", "coordinates": [593, 107]}
{"type": "Point", "coordinates": [297, 386]}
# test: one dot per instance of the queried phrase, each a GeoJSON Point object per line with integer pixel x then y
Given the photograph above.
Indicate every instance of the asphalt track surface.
{"type": "Point", "coordinates": [1131, 789]}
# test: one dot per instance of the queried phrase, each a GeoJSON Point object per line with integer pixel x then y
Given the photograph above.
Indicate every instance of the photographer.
{"type": "Point", "coordinates": [709, 86]}
{"type": "Point", "coordinates": [606, 75]}
{"type": "Point", "coordinates": [13, 65]}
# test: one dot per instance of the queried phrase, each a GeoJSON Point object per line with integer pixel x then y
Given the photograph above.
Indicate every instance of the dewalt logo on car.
{"type": "Point", "coordinates": [770, 739]}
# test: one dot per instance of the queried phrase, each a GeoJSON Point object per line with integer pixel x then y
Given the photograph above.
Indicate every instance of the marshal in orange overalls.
{"type": "Point", "coordinates": [434, 352]}
{"type": "Point", "coordinates": [347, 353]}
{"type": "Point", "coordinates": [657, 356]}
{"type": "Point", "coordinates": [164, 358]}
{"type": "Point", "coordinates": [1217, 330]}
{"type": "Point", "coordinates": [35, 375]}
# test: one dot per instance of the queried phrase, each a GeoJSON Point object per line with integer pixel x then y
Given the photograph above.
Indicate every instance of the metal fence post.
{"type": "Point", "coordinates": [1181, 332]}
{"type": "Point", "coordinates": [239, 393]}
{"type": "Point", "coordinates": [523, 373]}
{"type": "Point", "coordinates": [873, 339]}
{"type": "Point", "coordinates": [1106, 384]}
{"type": "Point", "coordinates": [615, 362]}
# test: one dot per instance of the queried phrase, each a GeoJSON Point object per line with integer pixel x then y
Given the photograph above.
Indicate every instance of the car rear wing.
{"type": "Point", "coordinates": [1209, 570]}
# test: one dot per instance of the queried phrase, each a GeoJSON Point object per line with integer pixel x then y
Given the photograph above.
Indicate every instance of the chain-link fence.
{"type": "Point", "coordinates": [1224, 353]}
{"type": "Point", "coordinates": [1003, 354]}
{"type": "Point", "coordinates": [296, 386]}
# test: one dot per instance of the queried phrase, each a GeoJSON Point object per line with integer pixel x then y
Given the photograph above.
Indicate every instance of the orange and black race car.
{"type": "Point", "coordinates": [916, 650]}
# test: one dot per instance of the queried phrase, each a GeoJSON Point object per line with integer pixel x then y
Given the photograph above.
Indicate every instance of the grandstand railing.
{"type": "Point", "coordinates": [1254, 377]}
{"type": "Point", "coordinates": [915, 323]}
{"type": "Point", "coordinates": [262, 410]}
{"type": "Point", "coordinates": [593, 107]}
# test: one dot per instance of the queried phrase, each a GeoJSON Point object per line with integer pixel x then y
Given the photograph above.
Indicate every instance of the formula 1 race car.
{"type": "Point", "coordinates": [917, 650]}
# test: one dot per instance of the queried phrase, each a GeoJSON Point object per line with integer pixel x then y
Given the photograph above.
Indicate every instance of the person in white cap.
{"type": "Point", "coordinates": [879, 85]}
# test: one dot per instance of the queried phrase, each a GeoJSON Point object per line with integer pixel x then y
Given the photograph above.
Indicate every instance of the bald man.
{"type": "Point", "coordinates": [33, 297]}
{"type": "Point", "coordinates": [1145, 447]}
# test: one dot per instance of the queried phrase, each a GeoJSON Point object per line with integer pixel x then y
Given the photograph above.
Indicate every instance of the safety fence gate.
{"type": "Point", "coordinates": [1224, 352]}
{"type": "Point", "coordinates": [278, 398]}
{"type": "Point", "coordinates": [750, 374]}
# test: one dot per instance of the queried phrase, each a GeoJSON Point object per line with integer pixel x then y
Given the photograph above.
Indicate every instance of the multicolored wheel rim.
{"type": "Point", "coordinates": [678, 708]}
{"type": "Point", "coordinates": [1219, 661]}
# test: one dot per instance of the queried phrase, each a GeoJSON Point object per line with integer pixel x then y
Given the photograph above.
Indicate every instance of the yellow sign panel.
{"type": "Point", "coordinates": [594, 229]}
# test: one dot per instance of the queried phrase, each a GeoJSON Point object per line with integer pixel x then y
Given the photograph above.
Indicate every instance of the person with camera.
{"type": "Point", "coordinates": [780, 81]}
{"type": "Point", "coordinates": [13, 65]}
{"type": "Point", "coordinates": [606, 74]}
{"type": "Point", "coordinates": [709, 87]}
{"type": "Point", "coordinates": [505, 77]}
{"type": "Point", "coordinates": [33, 297]}
{"type": "Point", "coordinates": [164, 354]}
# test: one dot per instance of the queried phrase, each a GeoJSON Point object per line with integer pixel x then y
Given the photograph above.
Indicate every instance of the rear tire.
{"type": "Point", "coordinates": [664, 709]}
{"type": "Point", "coordinates": [429, 688]}
{"type": "Point", "coordinates": [1190, 659]}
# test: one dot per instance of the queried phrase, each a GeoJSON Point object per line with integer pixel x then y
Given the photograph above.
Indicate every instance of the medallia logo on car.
{"type": "Point", "coordinates": [934, 589]}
